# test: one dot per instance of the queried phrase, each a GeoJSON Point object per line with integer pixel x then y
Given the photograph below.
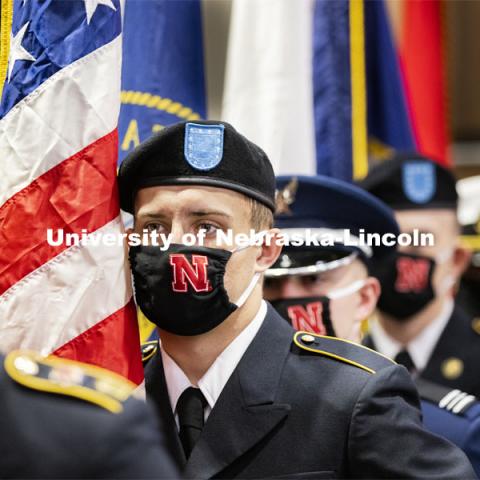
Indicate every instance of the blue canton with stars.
{"type": "Point", "coordinates": [48, 35]}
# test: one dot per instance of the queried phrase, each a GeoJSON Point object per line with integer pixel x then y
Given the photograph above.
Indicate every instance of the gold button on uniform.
{"type": "Point", "coordinates": [26, 365]}
{"type": "Point", "coordinates": [308, 338]}
{"type": "Point", "coordinates": [476, 325]}
{"type": "Point", "coordinates": [452, 368]}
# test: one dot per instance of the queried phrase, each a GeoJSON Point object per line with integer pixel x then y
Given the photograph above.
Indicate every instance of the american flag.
{"type": "Point", "coordinates": [58, 153]}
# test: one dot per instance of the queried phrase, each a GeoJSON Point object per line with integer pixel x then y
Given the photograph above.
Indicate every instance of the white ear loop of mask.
{"type": "Point", "coordinates": [345, 291]}
{"type": "Point", "coordinates": [253, 282]}
{"type": "Point", "coordinates": [444, 256]}
{"type": "Point", "coordinates": [449, 281]}
{"type": "Point", "coordinates": [246, 293]}
{"type": "Point", "coordinates": [254, 243]}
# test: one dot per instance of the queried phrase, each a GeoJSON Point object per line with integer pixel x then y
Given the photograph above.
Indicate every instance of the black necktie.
{"type": "Point", "coordinates": [404, 358]}
{"type": "Point", "coordinates": [190, 410]}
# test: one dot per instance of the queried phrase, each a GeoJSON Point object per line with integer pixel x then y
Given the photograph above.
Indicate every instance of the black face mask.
{"type": "Point", "coordinates": [406, 282]}
{"type": "Point", "coordinates": [181, 289]}
{"type": "Point", "coordinates": [311, 314]}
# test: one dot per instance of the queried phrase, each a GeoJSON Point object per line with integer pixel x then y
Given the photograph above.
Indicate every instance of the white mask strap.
{"type": "Point", "coordinates": [447, 283]}
{"type": "Point", "coordinates": [255, 243]}
{"type": "Point", "coordinates": [348, 290]}
{"type": "Point", "coordinates": [444, 256]}
{"type": "Point", "coordinates": [246, 293]}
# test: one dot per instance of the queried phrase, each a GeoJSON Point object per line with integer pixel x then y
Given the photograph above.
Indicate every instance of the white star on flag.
{"type": "Point", "coordinates": [17, 52]}
{"type": "Point", "coordinates": [91, 6]}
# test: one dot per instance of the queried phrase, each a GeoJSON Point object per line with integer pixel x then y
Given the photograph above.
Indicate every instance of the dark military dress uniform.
{"type": "Point", "coordinates": [455, 359]}
{"type": "Point", "coordinates": [62, 419]}
{"type": "Point", "coordinates": [412, 182]}
{"type": "Point", "coordinates": [304, 406]}
{"type": "Point", "coordinates": [454, 415]}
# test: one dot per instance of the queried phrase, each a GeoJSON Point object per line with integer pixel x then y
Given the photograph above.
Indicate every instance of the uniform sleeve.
{"type": "Point", "coordinates": [135, 446]}
{"type": "Point", "coordinates": [471, 445]}
{"type": "Point", "coordinates": [387, 439]}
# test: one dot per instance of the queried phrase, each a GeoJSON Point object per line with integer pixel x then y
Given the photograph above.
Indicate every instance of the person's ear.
{"type": "Point", "coordinates": [368, 298]}
{"type": "Point", "coordinates": [461, 260]}
{"type": "Point", "coordinates": [269, 251]}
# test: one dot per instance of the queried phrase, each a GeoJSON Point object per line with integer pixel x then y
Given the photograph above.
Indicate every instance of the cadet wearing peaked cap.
{"type": "Point", "coordinates": [256, 410]}
{"type": "Point", "coordinates": [333, 272]}
{"type": "Point", "coordinates": [327, 205]}
{"type": "Point", "coordinates": [65, 419]}
{"type": "Point", "coordinates": [306, 203]}
{"type": "Point", "coordinates": [418, 282]}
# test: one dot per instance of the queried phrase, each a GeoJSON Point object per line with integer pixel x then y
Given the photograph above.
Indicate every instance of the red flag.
{"type": "Point", "coordinates": [422, 53]}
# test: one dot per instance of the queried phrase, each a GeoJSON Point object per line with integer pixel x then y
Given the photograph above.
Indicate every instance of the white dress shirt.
{"type": "Point", "coordinates": [421, 347]}
{"type": "Point", "coordinates": [216, 377]}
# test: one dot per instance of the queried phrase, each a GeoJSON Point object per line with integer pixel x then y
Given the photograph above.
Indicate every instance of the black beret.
{"type": "Point", "coordinates": [207, 153]}
{"type": "Point", "coordinates": [410, 181]}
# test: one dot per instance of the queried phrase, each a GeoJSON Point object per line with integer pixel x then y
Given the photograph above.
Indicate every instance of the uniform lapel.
{"type": "Point", "coordinates": [247, 410]}
{"type": "Point", "coordinates": [453, 343]}
{"type": "Point", "coordinates": [156, 388]}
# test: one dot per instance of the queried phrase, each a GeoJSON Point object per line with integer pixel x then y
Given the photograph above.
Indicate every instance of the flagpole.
{"type": "Point", "coordinates": [358, 90]}
{"type": "Point", "coordinates": [6, 16]}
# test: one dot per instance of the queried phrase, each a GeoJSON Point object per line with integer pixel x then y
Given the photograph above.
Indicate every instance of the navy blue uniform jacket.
{"type": "Point", "coordinates": [290, 411]}
{"type": "Point", "coordinates": [49, 435]}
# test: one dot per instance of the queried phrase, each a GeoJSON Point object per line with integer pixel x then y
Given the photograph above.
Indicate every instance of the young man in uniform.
{"type": "Point", "coordinates": [419, 323]}
{"type": "Point", "coordinates": [244, 396]}
{"type": "Point", "coordinates": [328, 288]}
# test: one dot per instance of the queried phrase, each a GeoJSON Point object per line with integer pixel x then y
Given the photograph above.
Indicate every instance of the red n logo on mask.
{"type": "Point", "coordinates": [308, 318]}
{"type": "Point", "coordinates": [195, 273]}
{"type": "Point", "coordinates": [412, 274]}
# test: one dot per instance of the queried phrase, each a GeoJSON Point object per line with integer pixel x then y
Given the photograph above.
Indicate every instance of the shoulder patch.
{"type": "Point", "coordinates": [452, 400]}
{"type": "Point", "coordinates": [148, 350]}
{"type": "Point", "coordinates": [70, 378]}
{"type": "Point", "coordinates": [343, 351]}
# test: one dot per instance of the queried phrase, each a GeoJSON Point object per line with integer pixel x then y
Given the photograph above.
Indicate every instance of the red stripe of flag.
{"type": "Point", "coordinates": [119, 344]}
{"type": "Point", "coordinates": [79, 193]}
{"type": "Point", "coordinates": [423, 64]}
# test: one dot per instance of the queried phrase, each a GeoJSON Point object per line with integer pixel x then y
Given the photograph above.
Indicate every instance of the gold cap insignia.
{"type": "Point", "coordinates": [452, 368]}
{"type": "Point", "coordinates": [284, 198]}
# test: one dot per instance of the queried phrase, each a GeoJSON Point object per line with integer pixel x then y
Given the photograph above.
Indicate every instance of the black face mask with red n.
{"type": "Point", "coordinates": [310, 314]}
{"type": "Point", "coordinates": [406, 282]}
{"type": "Point", "coordinates": [181, 290]}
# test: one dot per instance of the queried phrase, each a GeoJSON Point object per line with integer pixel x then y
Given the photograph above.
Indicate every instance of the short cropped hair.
{"type": "Point", "coordinates": [261, 217]}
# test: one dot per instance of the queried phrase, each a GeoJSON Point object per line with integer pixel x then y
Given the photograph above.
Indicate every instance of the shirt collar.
{"type": "Point", "coordinates": [216, 377]}
{"type": "Point", "coordinates": [421, 347]}
{"type": "Point", "coordinates": [383, 342]}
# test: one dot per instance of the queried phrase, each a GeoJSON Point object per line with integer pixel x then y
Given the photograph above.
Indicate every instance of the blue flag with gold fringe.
{"type": "Point", "coordinates": [359, 102]}
{"type": "Point", "coordinates": [163, 70]}
{"type": "Point", "coordinates": [389, 124]}
{"type": "Point", "coordinates": [162, 76]}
